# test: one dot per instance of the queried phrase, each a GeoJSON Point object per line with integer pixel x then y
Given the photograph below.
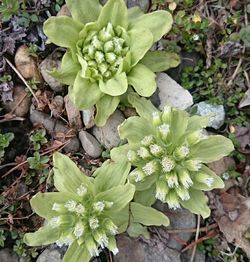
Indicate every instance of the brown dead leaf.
{"type": "Point", "coordinates": [73, 114]}
{"type": "Point", "coordinates": [243, 137]}
{"type": "Point", "coordinates": [232, 216]}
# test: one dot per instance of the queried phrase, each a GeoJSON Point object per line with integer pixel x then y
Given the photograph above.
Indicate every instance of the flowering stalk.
{"type": "Point", "coordinates": [84, 214]}
{"type": "Point", "coordinates": [169, 151]}
{"type": "Point", "coordinates": [108, 50]}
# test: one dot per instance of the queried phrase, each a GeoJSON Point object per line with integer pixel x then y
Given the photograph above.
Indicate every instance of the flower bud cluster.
{"type": "Point", "coordinates": [171, 164]}
{"type": "Point", "coordinates": [84, 221]}
{"type": "Point", "coordinates": [104, 51]}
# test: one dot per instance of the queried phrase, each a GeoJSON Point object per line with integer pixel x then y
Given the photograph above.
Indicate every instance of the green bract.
{"type": "Point", "coordinates": [86, 213]}
{"type": "Point", "coordinates": [170, 150]}
{"type": "Point", "coordinates": [108, 49]}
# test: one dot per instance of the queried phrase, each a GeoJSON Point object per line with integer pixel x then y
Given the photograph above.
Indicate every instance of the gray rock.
{"type": "Point", "coordinates": [90, 144]}
{"type": "Point", "coordinates": [217, 113]}
{"type": "Point", "coordinates": [54, 127]}
{"type": "Point", "coordinates": [143, 4]}
{"type": "Point", "coordinates": [7, 255]}
{"type": "Point", "coordinates": [136, 250]}
{"type": "Point", "coordinates": [50, 63]}
{"type": "Point", "coordinates": [21, 102]}
{"type": "Point", "coordinates": [171, 93]}
{"type": "Point", "coordinates": [108, 134]}
{"type": "Point", "coordinates": [179, 219]}
{"type": "Point", "coordinates": [199, 256]}
{"type": "Point", "coordinates": [50, 255]}
{"type": "Point", "coordinates": [88, 116]}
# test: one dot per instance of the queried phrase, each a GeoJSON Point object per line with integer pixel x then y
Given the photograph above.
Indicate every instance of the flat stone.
{"type": "Point", "coordinates": [171, 93]}
{"type": "Point", "coordinates": [88, 116]}
{"type": "Point", "coordinates": [7, 255]}
{"type": "Point", "coordinates": [90, 144]}
{"type": "Point", "coordinates": [26, 64]}
{"type": "Point", "coordinates": [199, 256]}
{"type": "Point", "coordinates": [50, 63]}
{"type": "Point", "coordinates": [73, 114]}
{"type": "Point", "coordinates": [136, 250]}
{"type": "Point", "coordinates": [21, 102]}
{"type": "Point", "coordinates": [108, 134]}
{"type": "Point", "coordinates": [50, 255]}
{"type": "Point", "coordinates": [179, 219]}
{"type": "Point", "coordinates": [216, 112]}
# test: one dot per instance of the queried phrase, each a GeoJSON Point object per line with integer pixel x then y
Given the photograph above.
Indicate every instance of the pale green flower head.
{"type": "Point", "coordinates": [169, 151]}
{"type": "Point", "coordinates": [86, 213]}
{"type": "Point", "coordinates": [108, 50]}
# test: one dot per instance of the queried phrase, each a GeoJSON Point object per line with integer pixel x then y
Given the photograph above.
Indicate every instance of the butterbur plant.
{"type": "Point", "coordinates": [87, 212]}
{"type": "Point", "coordinates": [108, 50]}
{"type": "Point", "coordinates": [169, 151]}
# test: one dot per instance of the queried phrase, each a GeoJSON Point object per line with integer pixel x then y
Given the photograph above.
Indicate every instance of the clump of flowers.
{"type": "Point", "coordinates": [169, 151]}
{"type": "Point", "coordinates": [108, 50]}
{"type": "Point", "coordinates": [88, 212]}
{"type": "Point", "coordinates": [84, 214]}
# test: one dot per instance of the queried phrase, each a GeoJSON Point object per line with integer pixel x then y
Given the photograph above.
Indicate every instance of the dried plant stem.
{"type": "Point", "coordinates": [196, 238]}
{"type": "Point", "coordinates": [45, 153]}
{"type": "Point", "coordinates": [189, 230]}
{"type": "Point", "coordinates": [22, 78]}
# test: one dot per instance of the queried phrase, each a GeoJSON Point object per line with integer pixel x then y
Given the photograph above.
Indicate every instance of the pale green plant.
{"type": "Point", "coordinates": [169, 151]}
{"type": "Point", "coordinates": [108, 50]}
{"type": "Point", "coordinates": [88, 212]}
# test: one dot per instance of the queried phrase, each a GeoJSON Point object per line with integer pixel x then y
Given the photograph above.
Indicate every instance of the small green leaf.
{"type": "Point", "coordinates": [143, 107]}
{"type": "Point", "coordinates": [196, 123]}
{"type": "Point", "coordinates": [159, 23]}
{"type": "Point", "coordinates": [197, 203]}
{"type": "Point", "coordinates": [84, 93]}
{"type": "Point", "coordinates": [245, 35]}
{"type": "Point", "coordinates": [120, 219]}
{"type": "Point", "coordinates": [76, 253]}
{"type": "Point", "coordinates": [67, 176]}
{"type": "Point", "coordinates": [63, 31]}
{"type": "Point", "coordinates": [136, 230]}
{"type": "Point", "coordinates": [178, 126]}
{"type": "Point", "coordinates": [115, 12]}
{"type": "Point", "coordinates": [139, 48]}
{"type": "Point", "coordinates": [115, 86]}
{"type": "Point", "coordinates": [134, 129]}
{"type": "Point", "coordinates": [158, 61]}
{"type": "Point", "coordinates": [44, 236]}
{"type": "Point", "coordinates": [68, 71]}
{"type": "Point", "coordinates": [111, 175]}
{"type": "Point", "coordinates": [143, 80]}
{"type": "Point", "coordinates": [42, 203]}
{"type": "Point", "coordinates": [105, 107]}
{"type": "Point", "coordinates": [119, 154]}
{"type": "Point", "coordinates": [120, 196]}
{"type": "Point", "coordinates": [146, 197]}
{"type": "Point", "coordinates": [212, 149]}
{"type": "Point", "coordinates": [84, 11]}
{"type": "Point", "coordinates": [148, 216]}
